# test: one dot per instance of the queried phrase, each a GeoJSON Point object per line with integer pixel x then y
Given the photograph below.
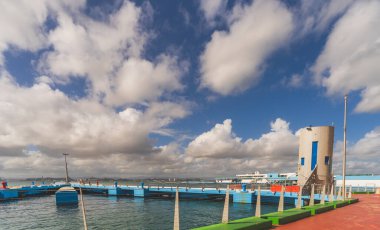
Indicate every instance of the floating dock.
{"type": "Point", "coordinates": [237, 195]}
{"type": "Point", "coordinates": [26, 191]}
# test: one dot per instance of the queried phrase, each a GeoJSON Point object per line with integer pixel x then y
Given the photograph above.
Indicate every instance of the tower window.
{"type": "Point", "coordinates": [327, 159]}
{"type": "Point", "coordinates": [314, 154]}
{"type": "Point", "coordinates": [302, 160]}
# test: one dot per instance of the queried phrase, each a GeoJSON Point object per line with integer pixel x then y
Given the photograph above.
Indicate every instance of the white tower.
{"type": "Point", "coordinates": [315, 152]}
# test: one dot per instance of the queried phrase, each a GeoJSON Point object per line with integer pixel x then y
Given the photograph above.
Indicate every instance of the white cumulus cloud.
{"type": "Point", "coordinates": [350, 59]}
{"type": "Point", "coordinates": [362, 156]}
{"type": "Point", "coordinates": [221, 142]}
{"type": "Point", "coordinates": [53, 122]}
{"type": "Point", "coordinates": [106, 51]}
{"type": "Point", "coordinates": [139, 80]}
{"type": "Point", "coordinates": [233, 60]}
{"type": "Point", "coordinates": [212, 8]}
{"type": "Point", "coordinates": [127, 96]}
{"type": "Point", "coordinates": [316, 16]}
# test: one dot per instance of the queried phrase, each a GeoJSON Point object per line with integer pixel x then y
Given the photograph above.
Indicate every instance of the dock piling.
{"type": "Point", "coordinates": [176, 211]}
{"type": "Point", "coordinates": [350, 192]}
{"type": "Point", "coordinates": [323, 194]}
{"type": "Point", "coordinates": [311, 203]}
{"type": "Point", "coordinates": [258, 203]}
{"type": "Point", "coordinates": [339, 196]}
{"type": "Point", "coordinates": [299, 200]}
{"type": "Point", "coordinates": [226, 206]}
{"type": "Point", "coordinates": [281, 202]}
{"type": "Point", "coordinates": [331, 198]}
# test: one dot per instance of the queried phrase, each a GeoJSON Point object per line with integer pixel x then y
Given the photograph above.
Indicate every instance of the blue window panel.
{"type": "Point", "coordinates": [302, 160]}
{"type": "Point", "coordinates": [327, 159]}
{"type": "Point", "coordinates": [314, 154]}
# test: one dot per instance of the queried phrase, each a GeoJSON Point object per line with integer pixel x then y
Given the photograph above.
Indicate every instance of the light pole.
{"type": "Point", "coordinates": [67, 173]}
{"type": "Point", "coordinates": [344, 148]}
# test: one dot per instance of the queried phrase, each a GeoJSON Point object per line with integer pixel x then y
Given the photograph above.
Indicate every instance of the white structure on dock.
{"type": "Point", "coordinates": [315, 156]}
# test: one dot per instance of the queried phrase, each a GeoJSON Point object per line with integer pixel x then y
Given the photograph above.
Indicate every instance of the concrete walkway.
{"type": "Point", "coordinates": [363, 215]}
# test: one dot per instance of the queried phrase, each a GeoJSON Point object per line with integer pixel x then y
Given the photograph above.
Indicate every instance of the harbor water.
{"type": "Point", "coordinates": [117, 213]}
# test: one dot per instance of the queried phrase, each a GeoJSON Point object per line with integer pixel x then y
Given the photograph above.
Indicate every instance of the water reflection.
{"type": "Point", "coordinates": [64, 209]}
{"type": "Point", "coordinates": [118, 213]}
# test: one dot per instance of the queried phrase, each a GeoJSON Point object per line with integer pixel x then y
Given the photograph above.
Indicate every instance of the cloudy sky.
{"type": "Point", "coordinates": [184, 88]}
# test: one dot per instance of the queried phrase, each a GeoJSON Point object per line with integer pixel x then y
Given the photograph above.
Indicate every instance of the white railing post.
{"type": "Point", "coordinates": [281, 202]}
{"type": "Point", "coordinates": [226, 206]}
{"type": "Point", "coordinates": [339, 196]}
{"type": "Point", "coordinates": [323, 194]}
{"type": "Point", "coordinates": [331, 198]}
{"type": "Point", "coordinates": [258, 203]}
{"type": "Point", "coordinates": [350, 192]}
{"type": "Point", "coordinates": [299, 198]}
{"type": "Point", "coordinates": [311, 203]}
{"type": "Point", "coordinates": [176, 211]}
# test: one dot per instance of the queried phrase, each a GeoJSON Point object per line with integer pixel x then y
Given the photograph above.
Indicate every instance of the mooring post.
{"type": "Point", "coordinates": [83, 209]}
{"type": "Point", "coordinates": [176, 211]}
{"type": "Point", "coordinates": [323, 194]}
{"type": "Point", "coordinates": [331, 198]}
{"type": "Point", "coordinates": [350, 192]}
{"type": "Point", "coordinates": [299, 198]}
{"type": "Point", "coordinates": [339, 196]}
{"type": "Point", "coordinates": [226, 206]}
{"type": "Point", "coordinates": [281, 202]}
{"type": "Point", "coordinates": [258, 203]}
{"type": "Point", "coordinates": [311, 203]}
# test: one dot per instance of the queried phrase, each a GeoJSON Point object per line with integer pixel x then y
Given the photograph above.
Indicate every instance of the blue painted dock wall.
{"type": "Point", "coordinates": [26, 191]}
{"type": "Point", "coordinates": [187, 193]}
{"type": "Point", "coordinates": [37, 190]}
{"type": "Point", "coordinates": [244, 197]}
{"type": "Point", "coordinates": [7, 194]}
{"type": "Point", "coordinates": [141, 192]}
{"type": "Point", "coordinates": [266, 197]}
{"type": "Point", "coordinates": [237, 196]}
{"type": "Point", "coordinates": [66, 198]}
{"type": "Point", "coordinates": [120, 192]}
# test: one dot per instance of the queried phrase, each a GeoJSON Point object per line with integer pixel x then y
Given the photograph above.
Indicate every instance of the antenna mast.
{"type": "Point", "coordinates": [344, 148]}
{"type": "Point", "coordinates": [67, 173]}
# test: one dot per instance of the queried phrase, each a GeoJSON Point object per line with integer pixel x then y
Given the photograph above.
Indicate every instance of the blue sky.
{"type": "Point", "coordinates": [184, 88]}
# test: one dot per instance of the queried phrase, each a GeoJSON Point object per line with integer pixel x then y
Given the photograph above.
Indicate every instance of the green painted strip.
{"type": "Point", "coordinates": [319, 208]}
{"type": "Point", "coordinates": [254, 223]}
{"type": "Point", "coordinates": [278, 218]}
{"type": "Point", "coordinates": [340, 204]}
{"type": "Point", "coordinates": [363, 192]}
{"type": "Point", "coordinates": [287, 216]}
{"type": "Point", "coordinates": [353, 200]}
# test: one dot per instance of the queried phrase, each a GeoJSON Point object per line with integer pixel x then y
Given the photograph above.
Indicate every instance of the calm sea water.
{"type": "Point", "coordinates": [117, 213]}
